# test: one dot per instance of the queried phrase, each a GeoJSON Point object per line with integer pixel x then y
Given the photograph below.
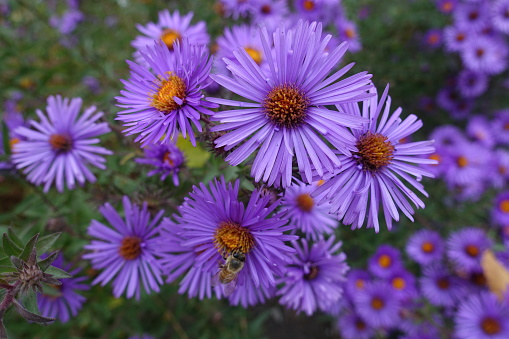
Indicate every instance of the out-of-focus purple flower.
{"type": "Point", "coordinates": [500, 211]}
{"type": "Point", "coordinates": [403, 284]}
{"type": "Point", "coordinates": [61, 147]}
{"type": "Point", "coordinates": [92, 84]}
{"type": "Point", "coordinates": [465, 247]}
{"type": "Point", "coordinates": [456, 37]}
{"type": "Point", "coordinates": [167, 159]}
{"type": "Point", "coordinates": [448, 136]}
{"type": "Point", "coordinates": [485, 55]}
{"type": "Point", "coordinates": [347, 31]}
{"type": "Point", "coordinates": [472, 15]}
{"type": "Point", "coordinates": [286, 112]}
{"type": "Point", "coordinates": [236, 8]}
{"type": "Point", "coordinates": [215, 225]}
{"type": "Point", "coordinates": [385, 261]}
{"type": "Point", "coordinates": [482, 316]}
{"type": "Point", "coordinates": [268, 12]}
{"type": "Point", "coordinates": [161, 103]}
{"type": "Point", "coordinates": [480, 130]}
{"type": "Point", "coordinates": [446, 6]}
{"type": "Point", "coordinates": [472, 84]}
{"type": "Point", "coordinates": [501, 126]}
{"type": "Point", "coordinates": [65, 302]}
{"type": "Point", "coordinates": [314, 279]}
{"type": "Point", "coordinates": [433, 38]}
{"type": "Point", "coordinates": [375, 173]}
{"type": "Point", "coordinates": [352, 326]}
{"type": "Point", "coordinates": [500, 165]}
{"type": "Point", "coordinates": [440, 287]}
{"type": "Point", "coordinates": [68, 22]}
{"type": "Point", "coordinates": [303, 212]}
{"type": "Point", "coordinates": [425, 247]}
{"type": "Point", "coordinates": [377, 305]}
{"type": "Point", "coordinates": [171, 28]}
{"type": "Point", "coordinates": [356, 280]}
{"type": "Point", "coordinates": [466, 164]}
{"type": "Point", "coordinates": [126, 250]}
{"type": "Point", "coordinates": [499, 15]}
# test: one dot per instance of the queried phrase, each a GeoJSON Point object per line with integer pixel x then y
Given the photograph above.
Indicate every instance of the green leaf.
{"type": "Point", "coordinates": [7, 269]}
{"type": "Point", "coordinates": [29, 300]}
{"type": "Point", "coordinates": [45, 263]}
{"type": "Point", "coordinates": [57, 273]}
{"type": "Point", "coordinates": [10, 248]}
{"type": "Point", "coordinates": [30, 315]}
{"type": "Point", "coordinates": [196, 157]}
{"type": "Point", "coordinates": [46, 242]}
{"type": "Point", "coordinates": [5, 139]}
{"type": "Point", "coordinates": [16, 262]}
{"type": "Point", "coordinates": [14, 237]}
{"type": "Point", "coordinates": [29, 248]}
{"type": "Point", "coordinates": [6, 261]}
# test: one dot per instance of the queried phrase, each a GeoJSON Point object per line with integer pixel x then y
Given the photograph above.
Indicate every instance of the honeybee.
{"type": "Point", "coordinates": [228, 272]}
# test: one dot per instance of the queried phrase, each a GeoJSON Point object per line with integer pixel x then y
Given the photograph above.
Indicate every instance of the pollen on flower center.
{"type": "Point", "coordinates": [427, 247]}
{"type": "Point", "coordinates": [374, 151]}
{"type": "Point", "coordinates": [398, 283]}
{"type": "Point", "coordinates": [12, 142]}
{"type": "Point", "coordinates": [504, 206]}
{"type": "Point", "coordinates": [230, 237]}
{"type": "Point", "coordinates": [350, 33]}
{"type": "Point", "coordinates": [384, 261]}
{"type": "Point", "coordinates": [313, 273]}
{"type": "Point", "coordinates": [377, 303]}
{"type": "Point", "coordinates": [164, 99]}
{"type": "Point", "coordinates": [169, 37]}
{"type": "Point", "coordinates": [255, 54]}
{"type": "Point", "coordinates": [305, 202]}
{"type": "Point", "coordinates": [60, 142]}
{"type": "Point", "coordinates": [130, 248]}
{"type": "Point", "coordinates": [490, 326]}
{"type": "Point", "coordinates": [472, 250]}
{"type": "Point", "coordinates": [286, 106]}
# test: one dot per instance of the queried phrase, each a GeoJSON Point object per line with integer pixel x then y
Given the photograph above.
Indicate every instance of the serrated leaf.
{"type": "Point", "coordinates": [10, 248]}
{"type": "Point", "coordinates": [57, 273]}
{"type": "Point", "coordinates": [45, 243]}
{"type": "Point", "coordinates": [14, 237]}
{"type": "Point", "coordinates": [29, 248]}
{"type": "Point", "coordinates": [30, 315]}
{"type": "Point", "coordinates": [497, 275]}
{"type": "Point", "coordinates": [5, 139]}
{"type": "Point", "coordinates": [45, 263]}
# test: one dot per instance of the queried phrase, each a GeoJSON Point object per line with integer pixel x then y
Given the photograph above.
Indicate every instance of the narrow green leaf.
{"type": "Point", "coordinates": [45, 263]}
{"type": "Point", "coordinates": [5, 261]}
{"type": "Point", "coordinates": [30, 315]}
{"type": "Point", "coordinates": [14, 237]}
{"type": "Point", "coordinates": [29, 248]}
{"type": "Point", "coordinates": [57, 273]}
{"type": "Point", "coordinates": [45, 243]}
{"type": "Point", "coordinates": [10, 248]}
{"type": "Point", "coordinates": [16, 262]}
{"type": "Point", "coordinates": [5, 139]}
{"type": "Point", "coordinates": [29, 300]}
{"type": "Point", "coordinates": [7, 269]}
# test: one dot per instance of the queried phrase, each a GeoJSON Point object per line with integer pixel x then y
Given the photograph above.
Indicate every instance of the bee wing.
{"type": "Point", "coordinates": [215, 279]}
{"type": "Point", "coordinates": [229, 288]}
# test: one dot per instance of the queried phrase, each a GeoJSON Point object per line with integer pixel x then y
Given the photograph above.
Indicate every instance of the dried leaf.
{"type": "Point", "coordinates": [497, 275]}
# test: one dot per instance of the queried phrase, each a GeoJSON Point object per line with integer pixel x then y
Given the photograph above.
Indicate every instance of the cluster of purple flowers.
{"type": "Point", "coordinates": [478, 34]}
{"type": "Point", "coordinates": [452, 286]}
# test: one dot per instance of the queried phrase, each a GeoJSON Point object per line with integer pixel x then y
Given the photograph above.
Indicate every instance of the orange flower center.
{"type": "Point", "coordinates": [472, 250]}
{"type": "Point", "coordinates": [443, 283]}
{"type": "Point", "coordinates": [308, 5]}
{"type": "Point", "coordinates": [491, 326]}
{"type": "Point", "coordinates": [255, 54]}
{"type": "Point", "coordinates": [313, 273]}
{"type": "Point", "coordinates": [230, 237]}
{"type": "Point", "coordinates": [286, 106]}
{"type": "Point", "coordinates": [60, 142]}
{"type": "Point", "coordinates": [427, 247]}
{"type": "Point", "coordinates": [375, 152]}
{"type": "Point", "coordinates": [266, 9]}
{"type": "Point", "coordinates": [398, 283]}
{"type": "Point", "coordinates": [504, 206]}
{"type": "Point", "coordinates": [169, 37]}
{"type": "Point", "coordinates": [462, 161]}
{"type": "Point", "coordinates": [359, 283]}
{"type": "Point", "coordinates": [167, 159]}
{"type": "Point", "coordinates": [163, 100]}
{"type": "Point", "coordinates": [130, 248]}
{"type": "Point", "coordinates": [377, 303]}
{"type": "Point", "coordinates": [350, 33]}
{"type": "Point", "coordinates": [384, 261]}
{"type": "Point", "coordinates": [305, 202]}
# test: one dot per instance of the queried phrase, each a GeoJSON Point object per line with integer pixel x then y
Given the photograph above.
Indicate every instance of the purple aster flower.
{"type": "Point", "coordinates": [385, 261]}
{"type": "Point", "coordinates": [433, 38]}
{"type": "Point", "coordinates": [377, 305]}
{"type": "Point", "coordinates": [312, 10]}
{"type": "Point", "coordinates": [456, 37]}
{"type": "Point", "coordinates": [352, 326]}
{"type": "Point", "coordinates": [440, 287]}
{"type": "Point", "coordinates": [472, 15]}
{"type": "Point", "coordinates": [286, 116]}
{"type": "Point", "coordinates": [236, 8]}
{"type": "Point", "coordinates": [501, 126]}
{"type": "Point", "coordinates": [472, 84]}
{"type": "Point", "coordinates": [92, 84]}
{"type": "Point", "coordinates": [482, 316]}
{"type": "Point", "coordinates": [448, 97]}
{"type": "Point", "coordinates": [425, 247]}
{"type": "Point", "coordinates": [216, 225]}
{"type": "Point", "coordinates": [268, 12]}
{"type": "Point", "coordinates": [448, 136]}
{"type": "Point", "coordinates": [65, 302]}
{"type": "Point", "coordinates": [480, 130]}
{"type": "Point", "coordinates": [379, 167]}
{"type": "Point", "coordinates": [314, 221]}
{"type": "Point", "coordinates": [500, 212]}
{"type": "Point", "coordinates": [466, 164]}
{"type": "Point", "coordinates": [167, 159]}
{"type": "Point", "coordinates": [126, 252]}
{"type": "Point", "coordinates": [403, 284]}
{"type": "Point", "coordinates": [171, 28]}
{"type": "Point", "coordinates": [500, 15]}
{"type": "Point", "coordinates": [500, 165]}
{"type": "Point", "coordinates": [167, 100]}
{"type": "Point", "coordinates": [438, 168]}
{"type": "Point", "coordinates": [314, 280]}
{"type": "Point", "coordinates": [347, 31]}
{"type": "Point", "coordinates": [356, 280]}
{"type": "Point", "coordinates": [446, 6]}
{"type": "Point", "coordinates": [68, 22]}
{"type": "Point", "coordinates": [61, 147]}
{"type": "Point", "coordinates": [485, 55]}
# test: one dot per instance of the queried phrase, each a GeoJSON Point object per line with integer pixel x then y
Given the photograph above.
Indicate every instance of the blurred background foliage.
{"type": "Point", "coordinates": [36, 60]}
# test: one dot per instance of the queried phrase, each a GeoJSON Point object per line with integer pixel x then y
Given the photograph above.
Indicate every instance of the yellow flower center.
{"type": "Point", "coordinates": [384, 261]}
{"type": "Point", "coordinates": [398, 283]}
{"type": "Point", "coordinates": [163, 100]}
{"type": "Point", "coordinates": [130, 248]}
{"type": "Point", "coordinates": [286, 105]}
{"type": "Point", "coordinates": [169, 37]}
{"type": "Point", "coordinates": [375, 151]}
{"type": "Point", "coordinates": [305, 202]}
{"type": "Point", "coordinates": [231, 237]}
{"type": "Point", "coordinates": [255, 54]}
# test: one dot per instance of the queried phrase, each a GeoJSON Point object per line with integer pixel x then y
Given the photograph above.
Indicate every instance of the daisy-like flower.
{"type": "Point", "coordinates": [456, 37]}
{"type": "Point", "coordinates": [286, 118]}
{"type": "Point", "coordinates": [356, 280]}
{"type": "Point", "coordinates": [472, 15]}
{"type": "Point", "coordinates": [485, 55]}
{"type": "Point", "coordinates": [500, 16]}
{"type": "Point", "coordinates": [425, 247]}
{"type": "Point", "coordinates": [268, 12]}
{"type": "Point", "coordinates": [385, 261]}
{"type": "Point", "coordinates": [65, 302]}
{"type": "Point", "coordinates": [472, 84]}
{"type": "Point", "coordinates": [347, 31]}
{"type": "Point", "coordinates": [482, 316]}
{"type": "Point", "coordinates": [352, 326]}
{"type": "Point", "coordinates": [500, 212]}
{"type": "Point", "coordinates": [167, 100]}
{"type": "Point", "coordinates": [303, 212]}
{"type": "Point", "coordinates": [314, 280]}
{"type": "Point", "coordinates": [433, 38]}
{"type": "Point", "coordinates": [446, 6]}
{"type": "Point", "coordinates": [126, 252]}
{"type": "Point", "coordinates": [480, 130]}
{"type": "Point", "coordinates": [403, 284]}
{"type": "Point", "coordinates": [171, 28]}
{"type": "Point", "coordinates": [465, 248]}
{"type": "Point", "coordinates": [61, 147]}
{"type": "Point", "coordinates": [440, 287]}
{"type": "Point", "coordinates": [377, 305]}
{"type": "Point", "coordinates": [379, 168]}
{"type": "Point", "coordinates": [236, 8]}
{"type": "Point", "coordinates": [466, 164]}
{"type": "Point", "coordinates": [215, 224]}
{"type": "Point", "coordinates": [448, 136]}
{"type": "Point", "coordinates": [167, 159]}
